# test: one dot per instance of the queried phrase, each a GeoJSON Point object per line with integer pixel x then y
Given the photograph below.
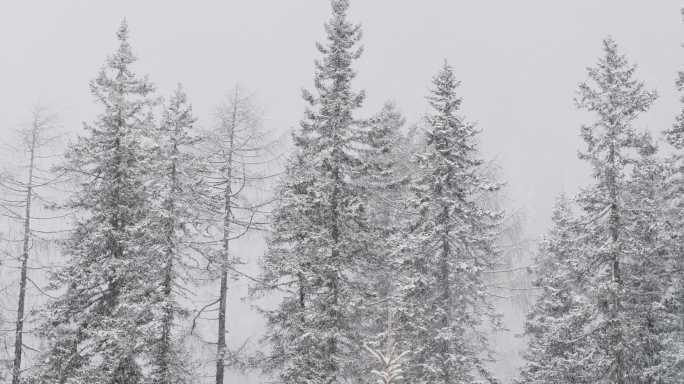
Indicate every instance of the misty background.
{"type": "Point", "coordinates": [519, 63]}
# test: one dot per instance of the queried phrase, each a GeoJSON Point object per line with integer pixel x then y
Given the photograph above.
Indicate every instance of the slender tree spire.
{"type": "Point", "coordinates": [601, 316]}
{"type": "Point", "coordinates": [104, 311]}
{"type": "Point", "coordinates": [616, 99]}
{"type": "Point", "coordinates": [320, 236]}
{"type": "Point", "coordinates": [177, 185]}
{"type": "Point", "coordinates": [675, 135]}
{"type": "Point", "coordinates": [450, 245]}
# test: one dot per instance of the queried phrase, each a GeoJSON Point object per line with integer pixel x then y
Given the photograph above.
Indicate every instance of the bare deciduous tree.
{"type": "Point", "coordinates": [239, 156]}
{"type": "Point", "coordinates": [23, 189]}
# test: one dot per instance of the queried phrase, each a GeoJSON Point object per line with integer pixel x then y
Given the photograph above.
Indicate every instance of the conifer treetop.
{"type": "Point", "coordinates": [116, 78]}
{"type": "Point", "coordinates": [334, 72]}
{"type": "Point", "coordinates": [124, 55]}
{"type": "Point", "coordinates": [614, 95]}
{"type": "Point", "coordinates": [617, 99]}
{"type": "Point", "coordinates": [675, 135]}
{"type": "Point", "coordinates": [443, 97]}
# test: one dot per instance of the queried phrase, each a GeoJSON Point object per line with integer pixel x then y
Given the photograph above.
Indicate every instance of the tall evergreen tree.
{"type": "Point", "coordinates": [675, 134]}
{"type": "Point", "coordinates": [383, 158]}
{"type": "Point", "coordinates": [653, 317]}
{"type": "Point", "coordinates": [675, 220]}
{"type": "Point", "coordinates": [556, 324]}
{"type": "Point", "coordinates": [384, 179]}
{"type": "Point", "coordinates": [617, 100]}
{"type": "Point", "coordinates": [450, 246]}
{"type": "Point", "coordinates": [320, 232]}
{"type": "Point", "coordinates": [97, 327]}
{"type": "Point", "coordinates": [620, 251]}
{"type": "Point", "coordinates": [177, 183]}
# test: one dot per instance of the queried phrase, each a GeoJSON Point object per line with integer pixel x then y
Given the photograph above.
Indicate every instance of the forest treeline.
{"type": "Point", "coordinates": [381, 240]}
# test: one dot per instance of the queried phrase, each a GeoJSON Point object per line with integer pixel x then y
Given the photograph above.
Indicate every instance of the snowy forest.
{"type": "Point", "coordinates": [155, 245]}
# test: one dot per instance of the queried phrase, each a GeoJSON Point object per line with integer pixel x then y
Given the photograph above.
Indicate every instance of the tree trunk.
{"type": "Point", "coordinates": [333, 278]}
{"type": "Point", "coordinates": [167, 321]}
{"type": "Point", "coordinates": [227, 218]}
{"type": "Point", "coordinates": [613, 229]}
{"type": "Point", "coordinates": [446, 296]}
{"type": "Point", "coordinates": [18, 340]}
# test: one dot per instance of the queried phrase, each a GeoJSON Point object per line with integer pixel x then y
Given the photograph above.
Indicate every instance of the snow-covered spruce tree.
{"type": "Point", "coordinates": [450, 245]}
{"type": "Point", "coordinates": [382, 158]}
{"type": "Point", "coordinates": [621, 252]}
{"type": "Point", "coordinates": [653, 322]}
{"type": "Point", "coordinates": [675, 220]}
{"type": "Point", "coordinates": [557, 322]}
{"type": "Point", "coordinates": [675, 134]}
{"type": "Point", "coordinates": [177, 184]}
{"type": "Point", "coordinates": [384, 176]}
{"type": "Point", "coordinates": [612, 145]}
{"type": "Point", "coordinates": [320, 234]}
{"type": "Point", "coordinates": [97, 328]}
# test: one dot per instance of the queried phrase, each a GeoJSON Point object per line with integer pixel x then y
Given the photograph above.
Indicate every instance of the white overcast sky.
{"type": "Point", "coordinates": [519, 63]}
